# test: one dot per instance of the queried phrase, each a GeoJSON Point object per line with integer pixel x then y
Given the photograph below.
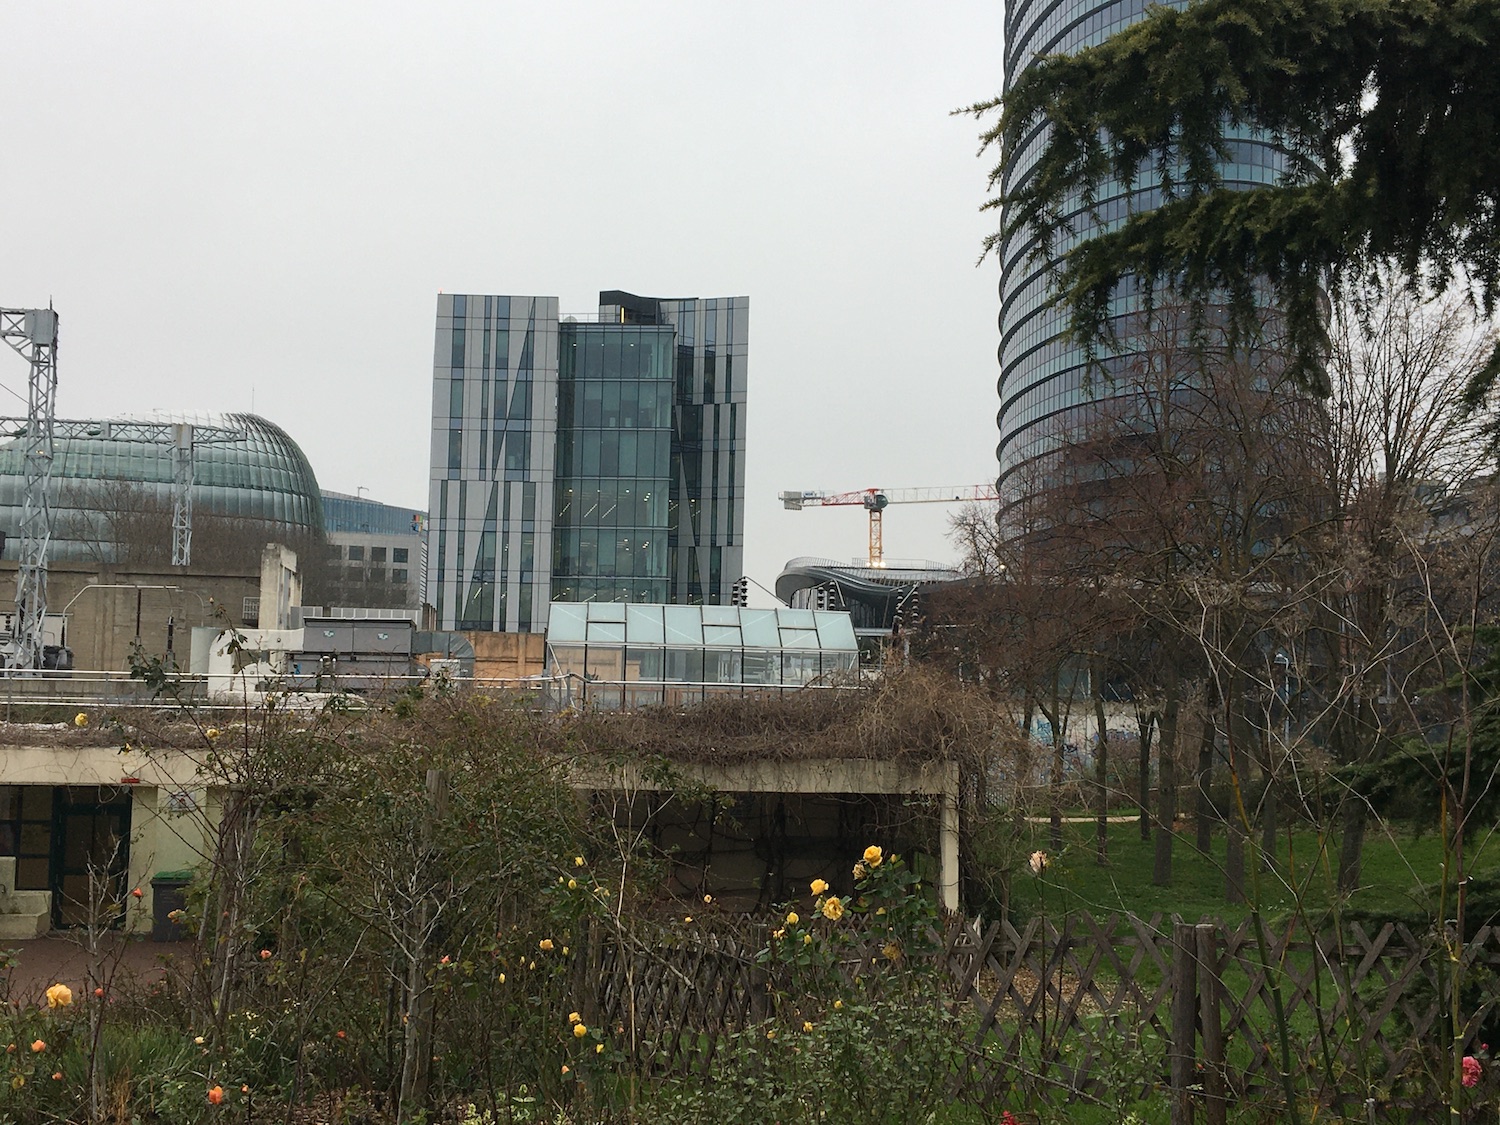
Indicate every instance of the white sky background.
{"type": "Point", "coordinates": [226, 196]}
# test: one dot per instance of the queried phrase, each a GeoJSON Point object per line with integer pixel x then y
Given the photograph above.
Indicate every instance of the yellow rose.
{"type": "Point", "coordinates": [873, 855]}
{"type": "Point", "coordinates": [818, 886]}
{"type": "Point", "coordinates": [838, 1005]}
{"type": "Point", "coordinates": [574, 1017]}
{"type": "Point", "coordinates": [80, 720]}
{"type": "Point", "coordinates": [892, 951]}
{"type": "Point", "coordinates": [211, 733]}
{"type": "Point", "coordinates": [792, 919]}
{"type": "Point", "coordinates": [59, 996]}
{"type": "Point", "coordinates": [598, 1048]}
{"type": "Point", "coordinates": [578, 861]}
{"type": "Point", "coordinates": [778, 934]}
{"type": "Point", "coordinates": [771, 1034]}
{"type": "Point", "coordinates": [833, 909]}
{"type": "Point", "coordinates": [859, 871]}
{"type": "Point", "coordinates": [807, 1025]}
{"type": "Point", "coordinates": [580, 1030]}
{"type": "Point", "coordinates": [572, 884]}
{"type": "Point", "coordinates": [807, 939]}
{"type": "Point", "coordinates": [545, 945]}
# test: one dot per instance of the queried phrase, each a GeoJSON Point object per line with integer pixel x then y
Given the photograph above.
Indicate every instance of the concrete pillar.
{"type": "Point", "coordinates": [948, 840]}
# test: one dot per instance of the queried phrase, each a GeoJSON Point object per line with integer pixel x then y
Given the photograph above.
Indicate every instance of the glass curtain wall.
{"type": "Point", "coordinates": [1047, 391]}
{"type": "Point", "coordinates": [614, 447]}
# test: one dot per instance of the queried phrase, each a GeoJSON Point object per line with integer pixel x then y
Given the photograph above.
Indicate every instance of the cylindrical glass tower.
{"type": "Point", "coordinates": [1046, 385]}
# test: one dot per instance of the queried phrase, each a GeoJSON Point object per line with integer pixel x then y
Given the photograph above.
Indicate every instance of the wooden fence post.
{"type": "Point", "coordinates": [1184, 1020]}
{"type": "Point", "coordinates": [1210, 991]}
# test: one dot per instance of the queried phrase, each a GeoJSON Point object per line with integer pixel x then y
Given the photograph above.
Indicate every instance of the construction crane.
{"type": "Point", "coordinates": [875, 501]}
{"type": "Point", "coordinates": [33, 334]}
{"type": "Point", "coordinates": [182, 437]}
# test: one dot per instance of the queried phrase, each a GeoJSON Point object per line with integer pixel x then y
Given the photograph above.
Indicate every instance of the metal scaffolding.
{"type": "Point", "coordinates": [33, 334]}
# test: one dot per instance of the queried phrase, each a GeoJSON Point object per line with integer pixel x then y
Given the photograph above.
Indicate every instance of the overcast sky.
{"type": "Point", "coordinates": [258, 203]}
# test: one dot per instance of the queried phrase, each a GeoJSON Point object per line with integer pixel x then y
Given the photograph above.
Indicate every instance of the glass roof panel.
{"type": "Point", "coordinates": [720, 614]}
{"type": "Point", "coordinates": [684, 624]}
{"type": "Point", "coordinates": [643, 625]}
{"type": "Point", "coordinates": [566, 621]}
{"type": "Point", "coordinates": [606, 611]}
{"type": "Point", "coordinates": [796, 618]}
{"type": "Point", "coordinates": [722, 635]}
{"type": "Point", "coordinates": [836, 630]}
{"type": "Point", "coordinates": [759, 628]}
{"type": "Point", "coordinates": [799, 638]}
{"type": "Point", "coordinates": [606, 632]}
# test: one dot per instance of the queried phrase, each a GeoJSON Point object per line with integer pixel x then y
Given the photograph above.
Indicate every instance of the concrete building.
{"type": "Point", "coordinates": [376, 553]}
{"type": "Point", "coordinates": [1047, 390]}
{"type": "Point", "coordinates": [584, 459]}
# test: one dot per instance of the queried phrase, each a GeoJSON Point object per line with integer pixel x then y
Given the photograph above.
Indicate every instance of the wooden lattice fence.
{"type": "Point", "coordinates": [1075, 1003]}
{"type": "Point", "coordinates": [1079, 1007]}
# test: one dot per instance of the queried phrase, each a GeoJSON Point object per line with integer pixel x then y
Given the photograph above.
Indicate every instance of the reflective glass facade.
{"type": "Point", "coordinates": [264, 478]}
{"type": "Point", "coordinates": [614, 456]}
{"type": "Point", "coordinates": [1046, 387]}
{"type": "Point", "coordinates": [584, 460]}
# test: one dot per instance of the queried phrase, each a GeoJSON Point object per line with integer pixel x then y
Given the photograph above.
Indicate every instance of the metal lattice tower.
{"type": "Point", "coordinates": [33, 333]}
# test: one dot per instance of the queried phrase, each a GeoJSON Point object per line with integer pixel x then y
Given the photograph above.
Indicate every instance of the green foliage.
{"type": "Point", "coordinates": [879, 1048]}
{"type": "Point", "coordinates": [889, 1060]}
{"type": "Point", "coordinates": [1388, 110]}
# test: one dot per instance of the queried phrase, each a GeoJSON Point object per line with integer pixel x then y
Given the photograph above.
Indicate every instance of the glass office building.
{"type": "Point", "coordinates": [107, 486]}
{"type": "Point", "coordinates": [1047, 390]}
{"type": "Point", "coordinates": [594, 458]}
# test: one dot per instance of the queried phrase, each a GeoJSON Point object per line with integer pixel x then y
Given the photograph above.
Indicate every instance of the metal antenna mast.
{"type": "Point", "coordinates": [33, 333]}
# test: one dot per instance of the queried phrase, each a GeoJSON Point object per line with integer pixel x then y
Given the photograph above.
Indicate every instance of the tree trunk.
{"type": "Point", "coordinates": [1204, 814]}
{"type": "Point", "coordinates": [1270, 801]}
{"type": "Point", "coordinates": [1166, 792]}
{"type": "Point", "coordinates": [1352, 846]}
{"type": "Point", "coordinates": [1101, 769]}
{"type": "Point", "coordinates": [1146, 723]}
{"type": "Point", "coordinates": [1054, 790]}
{"type": "Point", "coordinates": [1237, 830]}
{"type": "Point", "coordinates": [417, 1046]}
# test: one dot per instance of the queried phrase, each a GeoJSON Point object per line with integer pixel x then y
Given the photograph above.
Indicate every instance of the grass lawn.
{"type": "Point", "coordinates": [1396, 867]}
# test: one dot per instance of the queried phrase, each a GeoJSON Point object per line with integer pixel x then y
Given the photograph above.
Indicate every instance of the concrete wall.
{"type": "Point", "coordinates": [102, 620]}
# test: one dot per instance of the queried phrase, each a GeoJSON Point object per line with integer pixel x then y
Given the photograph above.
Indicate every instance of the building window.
{"type": "Point", "coordinates": [398, 554]}
{"type": "Point", "coordinates": [356, 554]}
{"type": "Point", "coordinates": [377, 554]}
{"type": "Point", "coordinates": [377, 574]}
{"type": "Point", "coordinates": [398, 577]}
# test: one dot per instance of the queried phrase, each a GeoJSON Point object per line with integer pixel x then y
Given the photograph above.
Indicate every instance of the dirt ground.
{"type": "Point", "coordinates": [50, 960]}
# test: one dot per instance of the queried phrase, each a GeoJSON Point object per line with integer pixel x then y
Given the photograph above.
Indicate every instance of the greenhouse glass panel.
{"type": "Point", "coordinates": [759, 627]}
{"type": "Point", "coordinates": [684, 625]}
{"type": "Point", "coordinates": [643, 625]}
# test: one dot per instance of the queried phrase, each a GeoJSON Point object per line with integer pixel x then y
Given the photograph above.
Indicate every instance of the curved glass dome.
{"type": "Point", "coordinates": [111, 494]}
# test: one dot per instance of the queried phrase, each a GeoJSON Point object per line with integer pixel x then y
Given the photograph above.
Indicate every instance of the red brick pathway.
{"type": "Point", "coordinates": [46, 961]}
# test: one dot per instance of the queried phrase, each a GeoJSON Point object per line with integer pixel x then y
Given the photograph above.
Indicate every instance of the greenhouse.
{"type": "Point", "coordinates": [614, 655]}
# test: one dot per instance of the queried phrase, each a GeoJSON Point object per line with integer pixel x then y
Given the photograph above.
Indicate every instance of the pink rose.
{"type": "Point", "coordinates": [1472, 1071]}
